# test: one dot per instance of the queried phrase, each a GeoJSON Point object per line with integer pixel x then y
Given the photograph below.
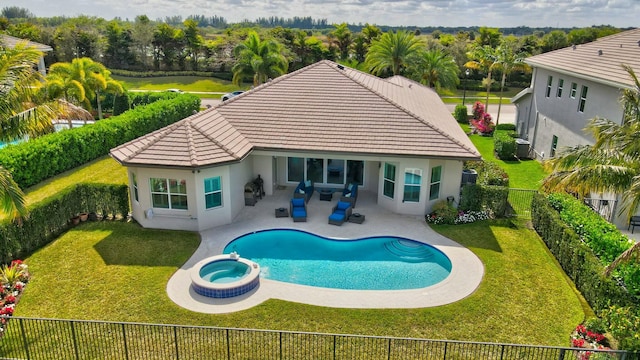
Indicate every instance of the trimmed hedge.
{"type": "Point", "coordinates": [489, 173]}
{"type": "Point", "coordinates": [476, 197]}
{"type": "Point", "coordinates": [39, 159]}
{"type": "Point", "coordinates": [504, 145]}
{"type": "Point", "coordinates": [506, 126]}
{"type": "Point", "coordinates": [461, 114]}
{"type": "Point", "coordinates": [145, 74]}
{"type": "Point", "coordinates": [49, 218]}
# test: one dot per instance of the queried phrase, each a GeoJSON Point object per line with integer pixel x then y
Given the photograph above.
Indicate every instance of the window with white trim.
{"type": "Point", "coordinates": [412, 183]}
{"type": "Point", "coordinates": [134, 180]}
{"type": "Point", "coordinates": [549, 83]}
{"type": "Point", "coordinates": [574, 90]}
{"type": "Point", "coordinates": [434, 186]}
{"type": "Point", "coordinates": [168, 193]}
{"type": "Point", "coordinates": [212, 192]}
{"type": "Point", "coordinates": [583, 98]}
{"type": "Point", "coordinates": [560, 85]}
{"type": "Point", "coordinates": [389, 186]}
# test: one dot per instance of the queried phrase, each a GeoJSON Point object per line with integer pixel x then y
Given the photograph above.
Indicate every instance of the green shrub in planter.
{"type": "Point", "coordinates": [504, 145]}
{"type": "Point", "coordinates": [461, 114]}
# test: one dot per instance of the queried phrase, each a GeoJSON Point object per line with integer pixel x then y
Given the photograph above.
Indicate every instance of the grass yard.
{"type": "Point", "coordinates": [184, 83]}
{"type": "Point", "coordinates": [118, 271]}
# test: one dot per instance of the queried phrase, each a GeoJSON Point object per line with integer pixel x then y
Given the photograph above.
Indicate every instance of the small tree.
{"type": "Point", "coordinates": [460, 114]}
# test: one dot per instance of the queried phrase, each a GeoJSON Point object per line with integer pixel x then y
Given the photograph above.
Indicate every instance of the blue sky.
{"type": "Point", "coordinates": [493, 13]}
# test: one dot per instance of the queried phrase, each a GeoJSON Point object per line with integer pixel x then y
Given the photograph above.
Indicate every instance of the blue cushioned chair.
{"type": "Point", "coordinates": [304, 190]}
{"type": "Point", "coordinates": [298, 209]}
{"type": "Point", "coordinates": [340, 213]}
{"type": "Point", "coordinates": [350, 194]}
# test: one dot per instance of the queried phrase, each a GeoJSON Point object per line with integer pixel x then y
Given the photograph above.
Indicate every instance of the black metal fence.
{"type": "Point", "coordinates": [29, 338]}
{"type": "Point", "coordinates": [520, 202]}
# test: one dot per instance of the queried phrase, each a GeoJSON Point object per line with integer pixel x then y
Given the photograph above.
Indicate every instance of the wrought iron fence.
{"type": "Point", "coordinates": [30, 338]}
{"type": "Point", "coordinates": [605, 207]}
{"type": "Point", "coordinates": [520, 202]}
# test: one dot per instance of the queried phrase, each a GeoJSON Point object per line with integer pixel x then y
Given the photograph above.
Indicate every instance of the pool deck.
{"type": "Point", "coordinates": [466, 274]}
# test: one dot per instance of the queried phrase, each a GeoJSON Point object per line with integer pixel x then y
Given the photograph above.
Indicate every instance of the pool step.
{"type": "Point", "coordinates": [409, 250]}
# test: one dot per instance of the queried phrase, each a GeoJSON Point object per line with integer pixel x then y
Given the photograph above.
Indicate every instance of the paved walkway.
{"type": "Point", "coordinates": [467, 269]}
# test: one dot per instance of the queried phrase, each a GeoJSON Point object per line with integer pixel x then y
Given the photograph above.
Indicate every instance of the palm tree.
{"type": "Point", "coordinates": [508, 59]}
{"type": "Point", "coordinates": [393, 52]}
{"type": "Point", "coordinates": [611, 164]}
{"type": "Point", "coordinates": [259, 59]}
{"type": "Point", "coordinates": [484, 59]}
{"type": "Point", "coordinates": [437, 69]}
{"type": "Point", "coordinates": [91, 76]}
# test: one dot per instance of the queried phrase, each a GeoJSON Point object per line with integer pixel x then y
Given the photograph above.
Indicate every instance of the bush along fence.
{"type": "Point", "coordinates": [51, 217]}
{"type": "Point", "coordinates": [584, 244]}
{"type": "Point", "coordinates": [27, 338]}
{"type": "Point", "coordinates": [39, 159]}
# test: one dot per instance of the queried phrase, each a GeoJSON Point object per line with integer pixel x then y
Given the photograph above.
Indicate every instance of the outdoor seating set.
{"type": "Point", "coordinates": [340, 213]}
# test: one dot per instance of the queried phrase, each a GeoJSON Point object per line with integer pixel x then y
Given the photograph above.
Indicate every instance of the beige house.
{"type": "Point", "coordinates": [326, 123]}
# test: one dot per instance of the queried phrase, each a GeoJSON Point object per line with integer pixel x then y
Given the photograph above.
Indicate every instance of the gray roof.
{"type": "Point", "coordinates": [324, 107]}
{"type": "Point", "coordinates": [10, 42]}
{"type": "Point", "coordinates": [598, 61]}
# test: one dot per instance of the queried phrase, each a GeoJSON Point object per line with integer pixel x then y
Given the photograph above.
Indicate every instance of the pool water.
{"type": "Point", "coordinates": [375, 263]}
{"type": "Point", "coordinates": [224, 271]}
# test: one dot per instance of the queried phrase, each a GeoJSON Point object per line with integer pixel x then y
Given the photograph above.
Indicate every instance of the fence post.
{"type": "Point", "coordinates": [24, 339]}
{"type": "Point", "coordinates": [334, 347]}
{"type": "Point", "coordinates": [280, 340]}
{"type": "Point", "coordinates": [561, 356]}
{"type": "Point", "coordinates": [228, 346]}
{"type": "Point", "coordinates": [124, 338]}
{"type": "Point", "coordinates": [175, 340]}
{"type": "Point", "coordinates": [75, 343]}
{"type": "Point", "coordinates": [389, 349]}
{"type": "Point", "coordinates": [501, 351]}
{"type": "Point", "coordinates": [445, 351]}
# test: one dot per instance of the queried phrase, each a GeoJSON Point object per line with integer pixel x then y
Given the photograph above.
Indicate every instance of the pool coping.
{"type": "Point", "coordinates": [466, 274]}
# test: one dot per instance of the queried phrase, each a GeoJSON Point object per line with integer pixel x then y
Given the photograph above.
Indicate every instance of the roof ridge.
{"type": "Point", "coordinates": [193, 155]}
{"type": "Point", "coordinates": [218, 143]}
{"type": "Point", "coordinates": [407, 111]}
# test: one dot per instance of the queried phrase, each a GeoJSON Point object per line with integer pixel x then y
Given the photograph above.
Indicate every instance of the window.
{"type": "Point", "coordinates": [314, 170]}
{"type": "Point", "coordinates": [583, 98]}
{"type": "Point", "coordinates": [574, 90]}
{"type": "Point", "coordinates": [560, 85]}
{"type": "Point", "coordinates": [549, 82]}
{"type": "Point", "coordinates": [135, 186]}
{"type": "Point", "coordinates": [335, 171]}
{"type": "Point", "coordinates": [554, 145]}
{"type": "Point", "coordinates": [295, 169]}
{"type": "Point", "coordinates": [389, 186]}
{"type": "Point", "coordinates": [212, 192]}
{"type": "Point", "coordinates": [169, 193]}
{"type": "Point", "coordinates": [355, 169]}
{"type": "Point", "coordinates": [434, 188]}
{"type": "Point", "coordinates": [412, 182]}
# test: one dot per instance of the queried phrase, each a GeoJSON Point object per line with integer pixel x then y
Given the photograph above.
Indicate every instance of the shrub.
{"type": "Point", "coordinates": [471, 198]}
{"type": "Point", "coordinates": [489, 173]}
{"type": "Point", "coordinates": [506, 127]}
{"type": "Point", "coordinates": [50, 218]}
{"type": "Point", "coordinates": [460, 113]}
{"type": "Point", "coordinates": [39, 159]}
{"type": "Point", "coordinates": [504, 146]}
{"type": "Point", "coordinates": [442, 213]}
{"type": "Point", "coordinates": [624, 325]}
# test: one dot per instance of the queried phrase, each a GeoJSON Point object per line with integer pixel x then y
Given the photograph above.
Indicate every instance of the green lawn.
{"type": "Point", "coordinates": [119, 271]}
{"type": "Point", "coordinates": [184, 83]}
{"type": "Point", "coordinates": [523, 174]}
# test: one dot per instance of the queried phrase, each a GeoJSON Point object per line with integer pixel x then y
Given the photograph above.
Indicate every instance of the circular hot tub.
{"type": "Point", "coordinates": [224, 276]}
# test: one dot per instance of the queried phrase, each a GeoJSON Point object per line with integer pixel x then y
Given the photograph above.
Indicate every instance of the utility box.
{"type": "Point", "coordinates": [469, 176]}
{"type": "Point", "coordinates": [522, 151]}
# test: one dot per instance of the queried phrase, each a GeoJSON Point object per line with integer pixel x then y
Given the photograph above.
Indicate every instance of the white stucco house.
{"type": "Point", "coordinates": [11, 41]}
{"type": "Point", "coordinates": [326, 123]}
{"type": "Point", "coordinates": [571, 86]}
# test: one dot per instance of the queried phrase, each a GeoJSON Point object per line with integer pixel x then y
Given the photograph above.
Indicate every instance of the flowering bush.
{"type": "Point", "coordinates": [444, 213]}
{"type": "Point", "coordinates": [482, 120]}
{"type": "Point", "coordinates": [585, 338]}
{"type": "Point", "coordinates": [13, 279]}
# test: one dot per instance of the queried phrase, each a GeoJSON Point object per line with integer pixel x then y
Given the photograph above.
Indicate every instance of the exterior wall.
{"type": "Point", "coordinates": [263, 166]}
{"type": "Point", "coordinates": [540, 118]}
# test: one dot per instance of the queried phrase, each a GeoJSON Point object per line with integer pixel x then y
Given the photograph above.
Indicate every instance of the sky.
{"type": "Point", "coordinates": [492, 13]}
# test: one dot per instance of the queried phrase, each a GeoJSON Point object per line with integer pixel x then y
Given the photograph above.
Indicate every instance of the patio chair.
{"type": "Point", "coordinates": [350, 194]}
{"type": "Point", "coordinates": [298, 209]}
{"type": "Point", "coordinates": [304, 190]}
{"type": "Point", "coordinates": [340, 213]}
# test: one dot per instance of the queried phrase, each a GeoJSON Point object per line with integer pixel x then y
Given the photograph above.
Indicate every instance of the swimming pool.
{"type": "Point", "coordinates": [373, 263]}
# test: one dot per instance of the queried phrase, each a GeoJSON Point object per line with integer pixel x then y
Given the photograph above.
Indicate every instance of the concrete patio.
{"type": "Point", "coordinates": [466, 275]}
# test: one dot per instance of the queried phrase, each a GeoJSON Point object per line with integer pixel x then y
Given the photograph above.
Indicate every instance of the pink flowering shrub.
{"type": "Point", "coordinates": [482, 120]}
{"type": "Point", "coordinates": [13, 279]}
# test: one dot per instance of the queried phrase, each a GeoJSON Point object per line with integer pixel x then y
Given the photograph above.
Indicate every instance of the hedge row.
{"type": "Point", "coordinates": [477, 197]}
{"type": "Point", "coordinates": [147, 74]}
{"type": "Point", "coordinates": [39, 159]}
{"type": "Point", "coordinates": [504, 145]}
{"type": "Point", "coordinates": [576, 258]}
{"type": "Point", "coordinates": [489, 173]}
{"type": "Point", "coordinates": [49, 218]}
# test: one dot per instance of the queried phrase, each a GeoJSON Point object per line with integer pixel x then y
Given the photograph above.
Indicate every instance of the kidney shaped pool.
{"type": "Point", "coordinates": [373, 263]}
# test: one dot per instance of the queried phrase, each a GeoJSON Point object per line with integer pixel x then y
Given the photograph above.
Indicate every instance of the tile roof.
{"type": "Point", "coordinates": [324, 107]}
{"type": "Point", "coordinates": [599, 60]}
{"type": "Point", "coordinates": [10, 42]}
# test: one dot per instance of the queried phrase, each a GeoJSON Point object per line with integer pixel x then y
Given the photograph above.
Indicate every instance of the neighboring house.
{"type": "Point", "coordinates": [326, 123]}
{"type": "Point", "coordinates": [10, 42]}
{"type": "Point", "coordinates": [570, 87]}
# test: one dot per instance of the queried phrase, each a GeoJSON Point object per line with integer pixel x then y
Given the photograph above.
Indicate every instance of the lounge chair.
{"type": "Point", "coordinates": [304, 190]}
{"type": "Point", "coordinates": [350, 194]}
{"type": "Point", "coordinates": [340, 213]}
{"type": "Point", "coordinates": [298, 209]}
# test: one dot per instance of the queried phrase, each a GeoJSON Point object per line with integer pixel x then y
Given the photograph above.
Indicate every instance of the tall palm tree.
{"type": "Point", "coordinates": [484, 59]}
{"type": "Point", "coordinates": [260, 59]}
{"type": "Point", "coordinates": [393, 52]}
{"type": "Point", "coordinates": [508, 60]}
{"type": "Point", "coordinates": [437, 69]}
{"type": "Point", "coordinates": [611, 164]}
{"type": "Point", "coordinates": [92, 76]}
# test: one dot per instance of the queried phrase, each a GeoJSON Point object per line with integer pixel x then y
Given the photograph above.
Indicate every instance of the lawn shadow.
{"type": "Point", "coordinates": [474, 235]}
{"type": "Point", "coordinates": [145, 247]}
